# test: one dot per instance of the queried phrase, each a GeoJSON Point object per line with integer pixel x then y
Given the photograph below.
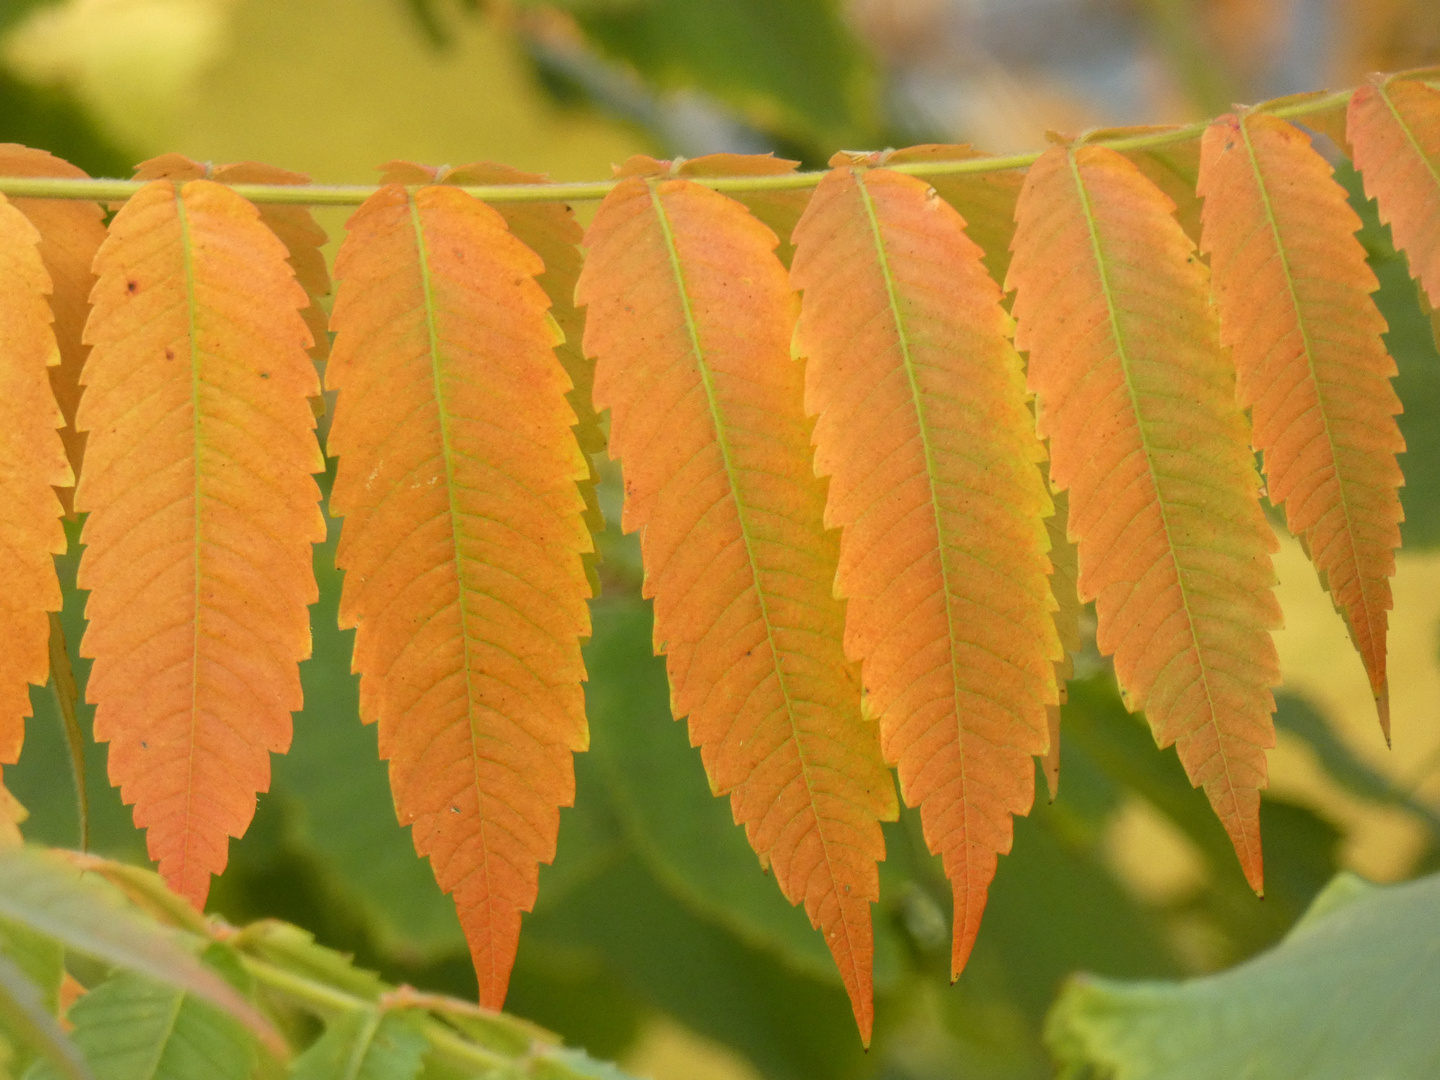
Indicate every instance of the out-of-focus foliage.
{"type": "Point", "coordinates": [1351, 991]}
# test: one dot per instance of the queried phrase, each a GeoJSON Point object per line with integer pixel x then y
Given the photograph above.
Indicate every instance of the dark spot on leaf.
{"type": "Point", "coordinates": [144, 745]}
{"type": "Point", "coordinates": [169, 353]}
{"type": "Point", "coordinates": [454, 809]}
{"type": "Point", "coordinates": [264, 374]}
{"type": "Point", "coordinates": [132, 287]}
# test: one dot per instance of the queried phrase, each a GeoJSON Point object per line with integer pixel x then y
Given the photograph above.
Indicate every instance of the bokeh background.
{"type": "Point", "coordinates": [657, 940]}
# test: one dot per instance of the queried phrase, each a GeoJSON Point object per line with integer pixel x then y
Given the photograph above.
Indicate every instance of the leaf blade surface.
{"type": "Point", "coordinates": [32, 465]}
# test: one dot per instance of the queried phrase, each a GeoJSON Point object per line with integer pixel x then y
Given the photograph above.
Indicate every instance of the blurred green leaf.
{"type": "Point", "coordinates": [49, 896]}
{"type": "Point", "coordinates": [1300, 848]}
{"type": "Point", "coordinates": [1350, 993]}
{"type": "Point", "coordinates": [686, 835]}
{"type": "Point", "coordinates": [23, 1014]}
{"type": "Point", "coordinates": [336, 777]}
{"type": "Point", "coordinates": [46, 754]}
{"type": "Point", "coordinates": [40, 958]}
{"type": "Point", "coordinates": [133, 1028]}
{"type": "Point", "coordinates": [368, 1044]}
{"type": "Point", "coordinates": [789, 1025]}
{"type": "Point", "coordinates": [790, 66]}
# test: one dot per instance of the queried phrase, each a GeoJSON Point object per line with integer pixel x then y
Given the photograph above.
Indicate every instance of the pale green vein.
{"type": "Point", "coordinates": [717, 418]}
{"type": "Point", "coordinates": [422, 258]}
{"type": "Point", "coordinates": [188, 259]}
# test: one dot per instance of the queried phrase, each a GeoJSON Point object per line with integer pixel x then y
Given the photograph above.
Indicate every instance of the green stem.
{"type": "Point", "coordinates": [33, 187]}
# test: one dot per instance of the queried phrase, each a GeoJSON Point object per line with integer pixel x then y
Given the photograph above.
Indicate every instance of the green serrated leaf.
{"type": "Point", "coordinates": [133, 1028]}
{"type": "Point", "coordinates": [366, 1045]}
{"type": "Point", "coordinates": [50, 897]}
{"type": "Point", "coordinates": [296, 951]}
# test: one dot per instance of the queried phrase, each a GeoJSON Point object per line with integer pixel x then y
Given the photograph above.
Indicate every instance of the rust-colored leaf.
{"type": "Point", "coordinates": [70, 233]}
{"type": "Point", "coordinates": [1137, 399]}
{"type": "Point", "coordinates": [1394, 129]}
{"type": "Point", "coordinates": [923, 427]}
{"type": "Point", "coordinates": [689, 315]}
{"type": "Point", "coordinates": [202, 512]}
{"type": "Point", "coordinates": [463, 545]}
{"type": "Point", "coordinates": [32, 465]}
{"type": "Point", "coordinates": [1292, 289]}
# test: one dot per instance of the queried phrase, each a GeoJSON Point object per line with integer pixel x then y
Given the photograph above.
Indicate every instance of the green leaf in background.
{"type": "Point", "coordinates": [790, 1026]}
{"type": "Point", "coordinates": [334, 774]}
{"type": "Point", "coordinates": [687, 836]}
{"type": "Point", "coordinates": [369, 1044]}
{"type": "Point", "coordinates": [790, 67]}
{"type": "Point", "coordinates": [1351, 993]}
{"type": "Point", "coordinates": [133, 1028]}
{"type": "Point", "coordinates": [26, 1018]}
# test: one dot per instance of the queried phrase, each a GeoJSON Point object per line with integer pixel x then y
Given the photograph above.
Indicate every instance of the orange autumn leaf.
{"type": "Point", "coordinates": [689, 315]}
{"type": "Point", "coordinates": [1137, 399]}
{"type": "Point", "coordinates": [1292, 288]}
{"type": "Point", "coordinates": [70, 233]}
{"type": "Point", "coordinates": [202, 513]}
{"type": "Point", "coordinates": [923, 428]}
{"type": "Point", "coordinates": [1394, 130]}
{"type": "Point", "coordinates": [463, 544]}
{"type": "Point", "coordinates": [32, 465]}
